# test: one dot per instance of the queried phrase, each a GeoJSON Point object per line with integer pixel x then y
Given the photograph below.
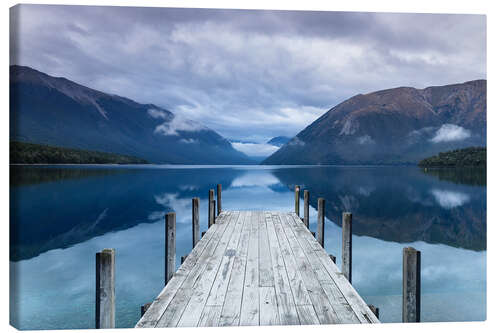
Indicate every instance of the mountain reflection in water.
{"type": "Point", "coordinates": [61, 216]}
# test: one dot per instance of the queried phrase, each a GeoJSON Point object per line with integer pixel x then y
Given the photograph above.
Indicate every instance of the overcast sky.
{"type": "Point", "coordinates": [250, 75]}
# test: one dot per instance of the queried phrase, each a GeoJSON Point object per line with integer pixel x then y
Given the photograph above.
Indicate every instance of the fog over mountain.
{"type": "Point", "coordinates": [59, 112]}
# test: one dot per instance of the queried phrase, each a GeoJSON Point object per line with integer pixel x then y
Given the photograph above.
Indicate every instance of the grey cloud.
{"type": "Point", "coordinates": [450, 132]}
{"type": "Point", "coordinates": [246, 73]}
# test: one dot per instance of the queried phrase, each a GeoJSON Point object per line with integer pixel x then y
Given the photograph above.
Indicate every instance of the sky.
{"type": "Point", "coordinates": [250, 75]}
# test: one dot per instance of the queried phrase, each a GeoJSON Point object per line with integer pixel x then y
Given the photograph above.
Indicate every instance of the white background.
{"type": "Point", "coordinates": [417, 6]}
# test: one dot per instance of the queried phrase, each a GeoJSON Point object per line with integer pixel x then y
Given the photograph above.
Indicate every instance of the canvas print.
{"type": "Point", "coordinates": [224, 167]}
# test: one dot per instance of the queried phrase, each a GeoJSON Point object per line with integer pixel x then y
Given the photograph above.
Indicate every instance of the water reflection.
{"type": "Point", "coordinates": [67, 205]}
{"type": "Point", "coordinates": [400, 204]}
{"type": "Point", "coordinates": [467, 176]}
{"type": "Point", "coordinates": [59, 223]}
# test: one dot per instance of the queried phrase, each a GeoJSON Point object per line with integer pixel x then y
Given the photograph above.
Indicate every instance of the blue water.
{"type": "Point", "coordinates": [62, 216]}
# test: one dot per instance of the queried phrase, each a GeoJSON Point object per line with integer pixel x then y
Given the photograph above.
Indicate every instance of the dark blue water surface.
{"type": "Point", "coordinates": [62, 216]}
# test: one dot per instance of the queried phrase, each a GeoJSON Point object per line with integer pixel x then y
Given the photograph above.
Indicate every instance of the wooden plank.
{"type": "Point", "coordinates": [340, 304]}
{"type": "Point", "coordinates": [249, 315]}
{"type": "Point", "coordinates": [221, 282]}
{"type": "Point", "coordinates": [265, 266]}
{"type": "Point", "coordinates": [257, 268]}
{"type": "Point", "coordinates": [359, 306]}
{"type": "Point", "coordinates": [303, 235]}
{"type": "Point", "coordinates": [175, 310]}
{"type": "Point", "coordinates": [268, 307]}
{"type": "Point", "coordinates": [177, 302]}
{"type": "Point", "coordinates": [362, 311]}
{"type": "Point", "coordinates": [285, 300]}
{"type": "Point", "coordinates": [318, 297]}
{"type": "Point", "coordinates": [210, 316]}
{"type": "Point", "coordinates": [307, 315]}
{"type": "Point", "coordinates": [230, 315]}
{"type": "Point", "coordinates": [301, 296]}
{"type": "Point", "coordinates": [306, 240]}
{"type": "Point", "coordinates": [310, 237]}
{"type": "Point", "coordinates": [164, 298]}
{"type": "Point", "coordinates": [208, 280]}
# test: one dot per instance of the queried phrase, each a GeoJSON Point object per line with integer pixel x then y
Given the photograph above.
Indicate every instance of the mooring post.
{"type": "Point", "coordinates": [347, 245]}
{"type": "Point", "coordinates": [333, 258]}
{"type": "Point", "coordinates": [169, 246]}
{"type": "Point", "coordinates": [105, 289]}
{"type": "Point", "coordinates": [306, 208]}
{"type": "Point", "coordinates": [145, 308]}
{"type": "Point", "coordinates": [320, 234]}
{"type": "Point", "coordinates": [374, 309]}
{"type": "Point", "coordinates": [297, 200]}
{"type": "Point", "coordinates": [411, 285]}
{"type": "Point", "coordinates": [210, 212]}
{"type": "Point", "coordinates": [196, 220]}
{"type": "Point", "coordinates": [219, 199]}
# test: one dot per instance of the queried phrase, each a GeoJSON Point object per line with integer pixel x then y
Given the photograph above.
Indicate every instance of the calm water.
{"type": "Point", "coordinates": [62, 216]}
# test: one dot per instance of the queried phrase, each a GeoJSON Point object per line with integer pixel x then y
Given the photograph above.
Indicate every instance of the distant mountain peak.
{"type": "Point", "coordinates": [399, 125]}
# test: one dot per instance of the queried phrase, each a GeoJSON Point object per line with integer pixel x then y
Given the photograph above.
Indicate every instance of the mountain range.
{"type": "Point", "coordinates": [56, 111]}
{"type": "Point", "coordinates": [393, 126]}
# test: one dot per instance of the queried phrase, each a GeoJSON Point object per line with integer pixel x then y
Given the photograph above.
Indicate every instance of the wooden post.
{"type": "Point", "coordinates": [196, 220]}
{"type": "Point", "coordinates": [347, 245]}
{"type": "Point", "coordinates": [334, 259]}
{"type": "Point", "coordinates": [320, 234]}
{"type": "Point", "coordinates": [219, 199]}
{"type": "Point", "coordinates": [105, 289]}
{"type": "Point", "coordinates": [210, 213]}
{"type": "Point", "coordinates": [169, 246]}
{"type": "Point", "coordinates": [306, 208]}
{"type": "Point", "coordinates": [145, 308]}
{"type": "Point", "coordinates": [374, 309]}
{"type": "Point", "coordinates": [411, 285]}
{"type": "Point", "coordinates": [297, 200]}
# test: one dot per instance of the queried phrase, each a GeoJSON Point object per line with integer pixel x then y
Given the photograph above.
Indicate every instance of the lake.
{"type": "Point", "coordinates": [60, 216]}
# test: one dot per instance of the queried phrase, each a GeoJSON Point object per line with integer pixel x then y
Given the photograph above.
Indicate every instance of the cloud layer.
{"type": "Point", "coordinates": [255, 149]}
{"type": "Point", "coordinates": [246, 73]}
{"type": "Point", "coordinates": [450, 133]}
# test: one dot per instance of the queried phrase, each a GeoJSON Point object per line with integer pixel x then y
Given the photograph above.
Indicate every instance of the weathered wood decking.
{"type": "Point", "coordinates": [257, 268]}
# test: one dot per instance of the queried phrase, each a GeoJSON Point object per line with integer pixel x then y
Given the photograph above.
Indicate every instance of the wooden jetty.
{"type": "Point", "coordinates": [255, 268]}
